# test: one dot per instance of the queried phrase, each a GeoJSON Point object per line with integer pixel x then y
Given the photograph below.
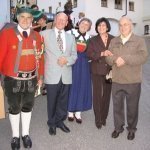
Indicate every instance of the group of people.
{"type": "Point", "coordinates": [73, 68]}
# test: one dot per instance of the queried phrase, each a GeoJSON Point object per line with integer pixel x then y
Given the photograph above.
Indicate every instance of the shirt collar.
{"type": "Point", "coordinates": [21, 30]}
{"type": "Point", "coordinates": [56, 31]}
{"type": "Point", "coordinates": [125, 39]}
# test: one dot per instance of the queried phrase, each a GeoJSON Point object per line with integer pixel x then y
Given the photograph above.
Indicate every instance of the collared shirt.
{"type": "Point", "coordinates": [21, 30]}
{"type": "Point", "coordinates": [125, 39]}
{"type": "Point", "coordinates": [62, 36]}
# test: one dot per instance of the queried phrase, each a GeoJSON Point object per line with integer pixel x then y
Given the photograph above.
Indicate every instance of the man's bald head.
{"type": "Point", "coordinates": [125, 26]}
{"type": "Point", "coordinates": [61, 20]}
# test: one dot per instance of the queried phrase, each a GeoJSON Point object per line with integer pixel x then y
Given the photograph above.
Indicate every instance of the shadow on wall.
{"type": "Point", "coordinates": [114, 26]}
{"type": "Point", "coordinates": [147, 41]}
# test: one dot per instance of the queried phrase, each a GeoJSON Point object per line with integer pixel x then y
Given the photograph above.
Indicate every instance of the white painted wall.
{"type": "Point", "coordinates": [146, 8]}
{"type": "Point", "coordinates": [4, 12]}
{"type": "Point", "coordinates": [47, 3]}
{"type": "Point", "coordinates": [93, 10]}
{"type": "Point", "coordinates": [110, 12]}
{"type": "Point", "coordinates": [146, 13]}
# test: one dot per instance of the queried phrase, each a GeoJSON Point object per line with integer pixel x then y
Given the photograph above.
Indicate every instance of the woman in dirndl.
{"type": "Point", "coordinates": [80, 97]}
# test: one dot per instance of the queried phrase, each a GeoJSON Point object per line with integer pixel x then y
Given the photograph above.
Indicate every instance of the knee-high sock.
{"type": "Point", "coordinates": [70, 114]}
{"type": "Point", "coordinates": [15, 121]}
{"type": "Point", "coordinates": [25, 118]}
{"type": "Point", "coordinates": [78, 114]}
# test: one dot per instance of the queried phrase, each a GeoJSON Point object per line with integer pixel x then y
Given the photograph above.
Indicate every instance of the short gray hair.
{"type": "Point", "coordinates": [88, 20]}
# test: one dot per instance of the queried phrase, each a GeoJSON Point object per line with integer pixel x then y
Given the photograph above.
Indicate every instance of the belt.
{"type": "Point", "coordinates": [21, 75]}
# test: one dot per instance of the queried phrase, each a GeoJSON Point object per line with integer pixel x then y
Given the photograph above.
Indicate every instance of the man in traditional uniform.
{"type": "Point", "coordinates": [21, 63]}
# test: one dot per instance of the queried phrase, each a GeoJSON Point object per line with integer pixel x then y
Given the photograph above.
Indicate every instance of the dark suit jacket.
{"type": "Point", "coordinates": [94, 49]}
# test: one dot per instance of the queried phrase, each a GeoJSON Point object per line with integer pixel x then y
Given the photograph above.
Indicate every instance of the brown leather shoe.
{"type": "Point", "coordinates": [104, 123]}
{"type": "Point", "coordinates": [78, 120]}
{"type": "Point", "coordinates": [99, 126]}
{"type": "Point", "coordinates": [70, 119]}
{"type": "Point", "coordinates": [115, 134]}
{"type": "Point", "coordinates": [131, 136]}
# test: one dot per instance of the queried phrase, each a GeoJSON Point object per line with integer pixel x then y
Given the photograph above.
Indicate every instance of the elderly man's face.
{"type": "Point", "coordinates": [25, 20]}
{"type": "Point", "coordinates": [125, 27]}
{"type": "Point", "coordinates": [61, 21]}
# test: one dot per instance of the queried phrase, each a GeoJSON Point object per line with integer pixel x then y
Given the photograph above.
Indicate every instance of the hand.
{"type": "Point", "coordinates": [120, 62]}
{"type": "Point", "coordinates": [107, 53]}
{"type": "Point", "coordinates": [62, 61]}
{"type": "Point", "coordinates": [34, 27]}
{"type": "Point", "coordinates": [40, 82]}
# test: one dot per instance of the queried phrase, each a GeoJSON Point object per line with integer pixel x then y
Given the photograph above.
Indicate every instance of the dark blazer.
{"type": "Point", "coordinates": [94, 49]}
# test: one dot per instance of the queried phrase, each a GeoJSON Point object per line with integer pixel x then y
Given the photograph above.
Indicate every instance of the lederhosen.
{"type": "Point", "coordinates": [20, 90]}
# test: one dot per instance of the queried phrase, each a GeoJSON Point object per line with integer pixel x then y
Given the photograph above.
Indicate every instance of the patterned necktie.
{"type": "Point", "coordinates": [60, 41]}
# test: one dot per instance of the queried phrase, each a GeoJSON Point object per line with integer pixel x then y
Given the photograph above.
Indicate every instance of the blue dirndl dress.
{"type": "Point", "coordinates": [80, 95]}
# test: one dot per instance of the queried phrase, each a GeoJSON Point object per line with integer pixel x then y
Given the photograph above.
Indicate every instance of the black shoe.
{"type": "Point", "coordinates": [71, 119]}
{"type": "Point", "coordinates": [44, 92]}
{"type": "Point", "coordinates": [131, 136]}
{"type": "Point", "coordinates": [78, 120]}
{"type": "Point", "coordinates": [64, 128]}
{"type": "Point", "coordinates": [52, 130]}
{"type": "Point", "coordinates": [27, 143]}
{"type": "Point", "coordinates": [15, 143]}
{"type": "Point", "coordinates": [115, 133]}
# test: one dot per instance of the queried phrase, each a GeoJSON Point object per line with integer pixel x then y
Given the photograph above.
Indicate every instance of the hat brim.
{"type": "Point", "coordinates": [34, 13]}
{"type": "Point", "coordinates": [24, 10]}
{"type": "Point", "coordinates": [38, 16]}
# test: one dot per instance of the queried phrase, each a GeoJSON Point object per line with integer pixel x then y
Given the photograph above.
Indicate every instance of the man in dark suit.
{"type": "Point", "coordinates": [60, 55]}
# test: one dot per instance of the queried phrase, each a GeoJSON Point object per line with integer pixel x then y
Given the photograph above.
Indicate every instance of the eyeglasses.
{"type": "Point", "coordinates": [124, 25]}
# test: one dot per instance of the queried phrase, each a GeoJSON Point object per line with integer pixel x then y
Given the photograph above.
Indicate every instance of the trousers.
{"type": "Point", "coordinates": [20, 94]}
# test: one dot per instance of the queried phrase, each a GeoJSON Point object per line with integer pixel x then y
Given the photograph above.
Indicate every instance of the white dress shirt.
{"type": "Point", "coordinates": [21, 30]}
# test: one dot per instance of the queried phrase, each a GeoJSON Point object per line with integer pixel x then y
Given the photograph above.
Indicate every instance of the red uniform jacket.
{"type": "Point", "coordinates": [9, 49]}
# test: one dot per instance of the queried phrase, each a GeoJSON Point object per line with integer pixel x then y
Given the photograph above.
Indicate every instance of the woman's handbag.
{"type": "Point", "coordinates": [109, 77]}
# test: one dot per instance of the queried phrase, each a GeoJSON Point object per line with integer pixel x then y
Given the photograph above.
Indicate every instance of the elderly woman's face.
{"type": "Point", "coordinates": [84, 26]}
{"type": "Point", "coordinates": [102, 28]}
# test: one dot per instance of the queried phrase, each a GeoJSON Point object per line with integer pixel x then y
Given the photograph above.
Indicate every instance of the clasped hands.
{"type": "Point", "coordinates": [107, 53]}
{"type": "Point", "coordinates": [62, 61]}
{"type": "Point", "coordinates": [119, 61]}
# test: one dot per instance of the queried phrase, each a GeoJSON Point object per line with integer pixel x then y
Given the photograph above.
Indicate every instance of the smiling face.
{"type": "Point", "coordinates": [102, 28]}
{"type": "Point", "coordinates": [25, 20]}
{"type": "Point", "coordinates": [41, 22]}
{"type": "Point", "coordinates": [125, 26]}
{"type": "Point", "coordinates": [61, 21]}
{"type": "Point", "coordinates": [84, 26]}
